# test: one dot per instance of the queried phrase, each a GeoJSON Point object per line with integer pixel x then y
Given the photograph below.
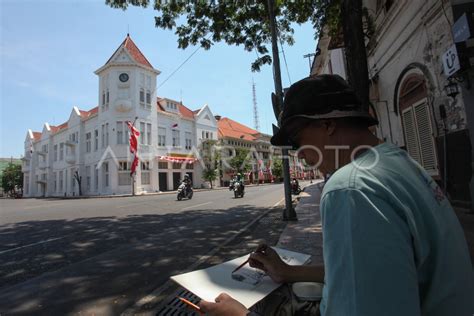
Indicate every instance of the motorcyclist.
{"type": "Point", "coordinates": [237, 178]}
{"type": "Point", "coordinates": [295, 186]}
{"type": "Point", "coordinates": [240, 180]}
{"type": "Point", "coordinates": [187, 182]}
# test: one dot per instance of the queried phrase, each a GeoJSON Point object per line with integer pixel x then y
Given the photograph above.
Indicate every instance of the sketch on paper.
{"type": "Point", "coordinates": [252, 287]}
{"type": "Point", "coordinates": [254, 276]}
{"type": "Point", "coordinates": [249, 275]}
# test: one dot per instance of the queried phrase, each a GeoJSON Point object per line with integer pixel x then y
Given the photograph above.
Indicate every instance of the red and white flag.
{"type": "Point", "coordinates": [134, 133]}
{"type": "Point", "coordinates": [174, 125]}
{"type": "Point", "coordinates": [134, 165]}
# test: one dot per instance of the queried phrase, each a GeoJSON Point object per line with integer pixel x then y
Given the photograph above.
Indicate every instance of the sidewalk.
{"type": "Point", "coordinates": [305, 235]}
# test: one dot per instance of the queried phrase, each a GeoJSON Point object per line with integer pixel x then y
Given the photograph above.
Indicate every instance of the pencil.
{"type": "Point", "coordinates": [259, 249]}
{"type": "Point", "coordinates": [192, 305]}
{"type": "Point", "coordinates": [245, 262]}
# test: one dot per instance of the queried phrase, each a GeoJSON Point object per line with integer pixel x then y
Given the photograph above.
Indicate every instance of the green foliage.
{"type": "Point", "coordinates": [277, 169]}
{"type": "Point", "coordinates": [210, 157]}
{"type": "Point", "coordinates": [4, 162]}
{"type": "Point", "coordinates": [210, 175]}
{"type": "Point", "coordinates": [240, 23]}
{"type": "Point", "coordinates": [240, 162]}
{"type": "Point", "coordinates": [12, 178]}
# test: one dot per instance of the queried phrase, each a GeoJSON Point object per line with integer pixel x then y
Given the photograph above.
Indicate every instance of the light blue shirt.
{"type": "Point", "coordinates": [392, 242]}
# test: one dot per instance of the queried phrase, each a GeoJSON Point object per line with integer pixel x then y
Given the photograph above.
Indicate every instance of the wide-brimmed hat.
{"type": "Point", "coordinates": [316, 98]}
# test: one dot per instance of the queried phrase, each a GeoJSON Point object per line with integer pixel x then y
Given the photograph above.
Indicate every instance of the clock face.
{"type": "Point", "coordinates": [123, 77]}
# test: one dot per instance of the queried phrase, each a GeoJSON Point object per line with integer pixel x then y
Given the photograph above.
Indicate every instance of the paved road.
{"type": "Point", "coordinates": [101, 255]}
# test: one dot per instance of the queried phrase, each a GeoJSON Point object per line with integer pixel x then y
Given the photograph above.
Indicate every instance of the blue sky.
{"type": "Point", "coordinates": [49, 52]}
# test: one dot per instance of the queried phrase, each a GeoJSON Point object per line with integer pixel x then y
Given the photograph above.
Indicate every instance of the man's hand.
{"type": "Point", "coordinates": [268, 260]}
{"type": "Point", "coordinates": [224, 305]}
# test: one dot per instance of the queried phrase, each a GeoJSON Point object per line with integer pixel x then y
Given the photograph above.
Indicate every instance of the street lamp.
{"type": "Point", "coordinates": [451, 88]}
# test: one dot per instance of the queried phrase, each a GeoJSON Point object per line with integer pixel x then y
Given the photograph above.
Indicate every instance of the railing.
{"type": "Point", "coordinates": [71, 143]}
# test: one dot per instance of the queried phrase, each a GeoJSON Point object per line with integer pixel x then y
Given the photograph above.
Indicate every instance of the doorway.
{"type": "Point", "coordinates": [176, 180]}
{"type": "Point", "coordinates": [163, 181]}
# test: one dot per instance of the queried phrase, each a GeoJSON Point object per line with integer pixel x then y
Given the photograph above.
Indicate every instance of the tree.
{"type": "Point", "coordinates": [12, 178]}
{"type": "Point", "coordinates": [240, 162]}
{"type": "Point", "coordinates": [354, 43]}
{"type": "Point", "coordinates": [79, 181]}
{"type": "Point", "coordinates": [210, 158]}
{"type": "Point", "coordinates": [246, 23]}
{"type": "Point", "coordinates": [210, 175]}
{"type": "Point", "coordinates": [277, 169]}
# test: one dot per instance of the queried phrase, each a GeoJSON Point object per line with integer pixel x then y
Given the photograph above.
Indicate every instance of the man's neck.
{"type": "Point", "coordinates": [358, 142]}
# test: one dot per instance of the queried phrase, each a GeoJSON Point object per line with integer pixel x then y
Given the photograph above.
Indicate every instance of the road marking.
{"type": "Point", "coordinates": [274, 205]}
{"type": "Point", "coordinates": [41, 242]}
{"type": "Point", "coordinates": [39, 206]}
{"type": "Point", "coordinates": [133, 204]}
{"type": "Point", "coordinates": [195, 206]}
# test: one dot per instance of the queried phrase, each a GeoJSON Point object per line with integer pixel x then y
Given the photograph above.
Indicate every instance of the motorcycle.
{"type": "Point", "coordinates": [184, 192]}
{"type": "Point", "coordinates": [295, 188]}
{"type": "Point", "coordinates": [238, 188]}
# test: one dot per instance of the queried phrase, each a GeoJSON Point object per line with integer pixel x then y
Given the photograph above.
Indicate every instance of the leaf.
{"type": "Point", "coordinates": [233, 22]}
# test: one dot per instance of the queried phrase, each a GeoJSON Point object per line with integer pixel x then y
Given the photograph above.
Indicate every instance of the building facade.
{"type": "Point", "coordinates": [261, 154]}
{"type": "Point", "coordinates": [409, 85]}
{"type": "Point", "coordinates": [89, 153]}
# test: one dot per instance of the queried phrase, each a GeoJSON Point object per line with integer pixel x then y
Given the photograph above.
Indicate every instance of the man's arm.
{"type": "Point", "coordinates": [310, 273]}
{"type": "Point", "coordinates": [269, 261]}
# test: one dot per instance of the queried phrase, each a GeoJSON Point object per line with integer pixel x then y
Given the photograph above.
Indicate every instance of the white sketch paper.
{"type": "Point", "coordinates": [209, 283]}
{"type": "Point", "coordinates": [249, 275]}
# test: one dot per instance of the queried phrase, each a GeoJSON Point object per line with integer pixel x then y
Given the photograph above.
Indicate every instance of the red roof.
{"type": "Point", "coordinates": [183, 110]}
{"type": "Point", "coordinates": [56, 129]}
{"type": "Point", "coordinates": [232, 129]}
{"type": "Point", "coordinates": [36, 135]}
{"type": "Point", "coordinates": [133, 50]}
{"type": "Point", "coordinates": [86, 114]}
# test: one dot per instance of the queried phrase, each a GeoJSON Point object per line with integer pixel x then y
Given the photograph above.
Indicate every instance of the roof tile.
{"type": "Point", "coordinates": [134, 51]}
{"type": "Point", "coordinates": [232, 129]}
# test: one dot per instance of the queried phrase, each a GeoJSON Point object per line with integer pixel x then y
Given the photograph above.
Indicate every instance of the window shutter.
{"type": "Point", "coordinates": [425, 138]}
{"type": "Point", "coordinates": [410, 134]}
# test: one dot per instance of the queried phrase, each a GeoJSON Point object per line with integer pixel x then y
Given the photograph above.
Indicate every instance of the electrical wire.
{"type": "Point", "coordinates": [284, 58]}
{"type": "Point", "coordinates": [179, 67]}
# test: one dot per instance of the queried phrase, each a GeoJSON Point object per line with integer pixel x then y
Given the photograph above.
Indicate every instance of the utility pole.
{"type": "Point", "coordinates": [289, 213]}
{"type": "Point", "coordinates": [309, 59]}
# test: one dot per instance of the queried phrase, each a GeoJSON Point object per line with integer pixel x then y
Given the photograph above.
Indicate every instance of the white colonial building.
{"type": "Point", "coordinates": [93, 145]}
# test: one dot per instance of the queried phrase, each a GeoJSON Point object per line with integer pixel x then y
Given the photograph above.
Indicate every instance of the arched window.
{"type": "Point", "coordinates": [417, 123]}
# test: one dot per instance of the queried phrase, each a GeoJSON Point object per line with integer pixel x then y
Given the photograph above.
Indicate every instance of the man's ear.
{"type": "Point", "coordinates": [330, 126]}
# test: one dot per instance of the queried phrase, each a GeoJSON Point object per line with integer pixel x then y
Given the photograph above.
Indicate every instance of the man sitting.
{"type": "Point", "coordinates": [391, 240]}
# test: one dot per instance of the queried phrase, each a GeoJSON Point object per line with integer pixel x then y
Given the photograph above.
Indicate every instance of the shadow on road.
{"type": "Point", "coordinates": [106, 263]}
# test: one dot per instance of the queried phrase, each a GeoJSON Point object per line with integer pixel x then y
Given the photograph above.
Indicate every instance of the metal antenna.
{"type": "Point", "coordinates": [255, 109]}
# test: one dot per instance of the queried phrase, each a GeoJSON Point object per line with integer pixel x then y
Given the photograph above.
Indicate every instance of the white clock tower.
{"type": "Point", "coordinates": [127, 92]}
